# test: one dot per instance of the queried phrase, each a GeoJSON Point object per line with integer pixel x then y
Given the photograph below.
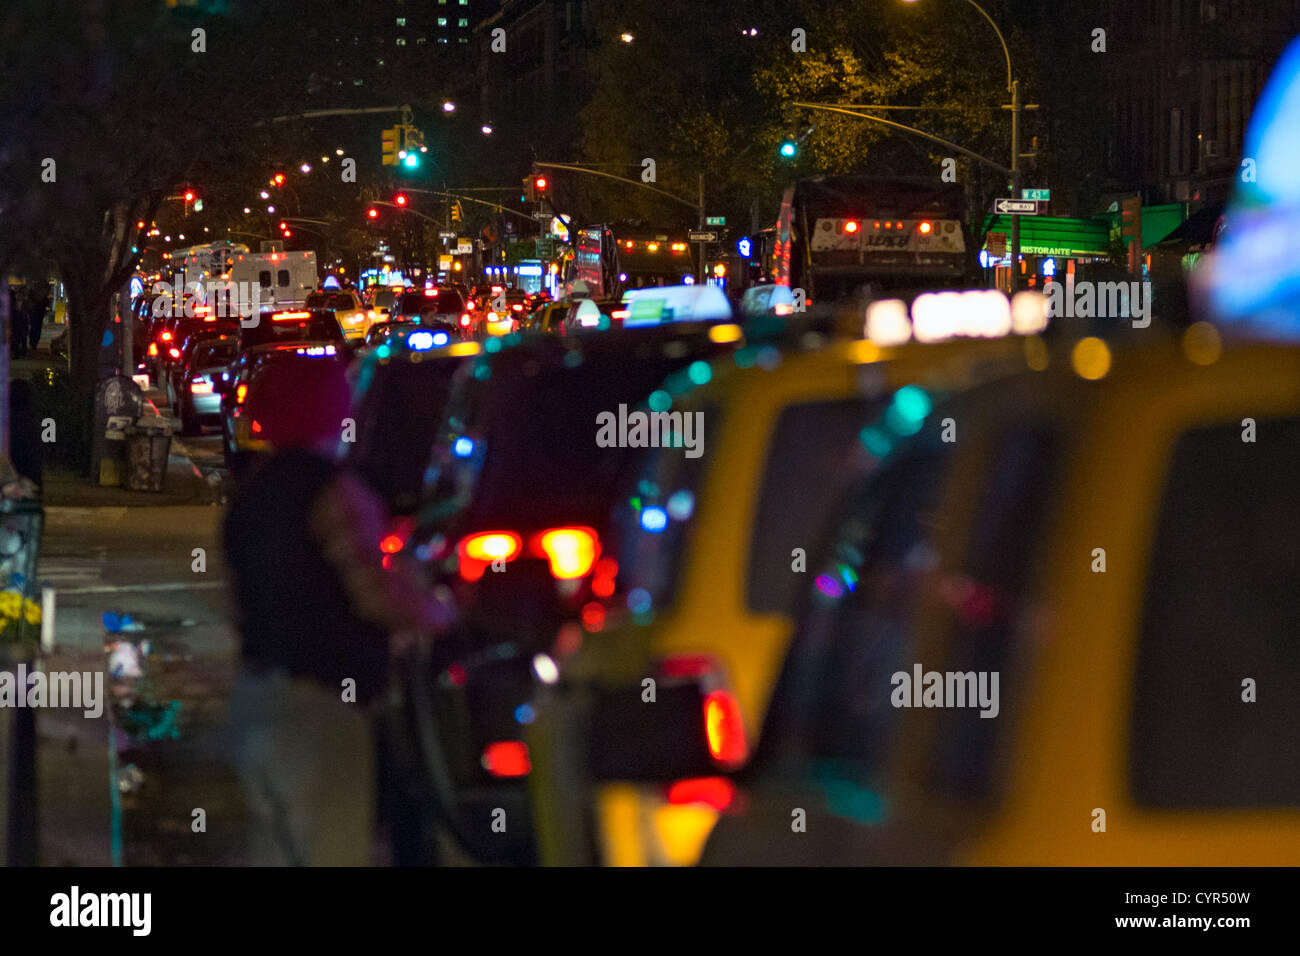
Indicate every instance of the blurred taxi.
{"type": "Point", "coordinates": [1107, 562]}
{"type": "Point", "coordinates": [711, 551]}
{"type": "Point", "coordinates": [352, 315]}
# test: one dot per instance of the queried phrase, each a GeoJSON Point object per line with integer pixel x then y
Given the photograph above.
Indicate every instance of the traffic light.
{"type": "Point", "coordinates": [529, 195]}
{"type": "Point", "coordinates": [539, 185]}
{"type": "Point", "coordinates": [457, 214]}
{"type": "Point", "coordinates": [389, 141]}
{"type": "Point", "coordinates": [189, 195]}
{"type": "Point", "coordinates": [372, 213]}
{"type": "Point", "coordinates": [400, 199]}
{"type": "Point", "coordinates": [789, 148]}
{"type": "Point", "coordinates": [278, 179]}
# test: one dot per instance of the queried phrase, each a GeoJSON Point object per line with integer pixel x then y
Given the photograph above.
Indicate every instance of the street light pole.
{"type": "Point", "coordinates": [1015, 184]}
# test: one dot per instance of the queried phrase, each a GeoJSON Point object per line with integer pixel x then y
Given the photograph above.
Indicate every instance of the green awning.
{"type": "Point", "coordinates": [1053, 236]}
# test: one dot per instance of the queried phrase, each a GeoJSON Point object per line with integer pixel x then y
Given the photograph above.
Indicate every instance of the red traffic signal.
{"type": "Point", "coordinates": [539, 183]}
{"type": "Point", "coordinates": [400, 199]}
{"type": "Point", "coordinates": [279, 179]}
{"type": "Point", "coordinates": [189, 195]}
{"type": "Point", "coordinates": [372, 212]}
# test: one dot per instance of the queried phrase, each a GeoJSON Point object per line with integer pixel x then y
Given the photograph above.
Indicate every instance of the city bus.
{"type": "Point", "coordinates": [838, 237]}
{"type": "Point", "coordinates": [611, 258]}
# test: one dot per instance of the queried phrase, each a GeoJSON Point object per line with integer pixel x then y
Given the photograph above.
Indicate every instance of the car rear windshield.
{"type": "Point", "coordinates": [540, 460]}
{"type": "Point", "coordinates": [397, 422]}
{"type": "Point", "coordinates": [319, 327]}
{"type": "Point", "coordinates": [446, 301]}
{"type": "Point", "coordinates": [330, 300]}
{"type": "Point", "coordinates": [207, 355]}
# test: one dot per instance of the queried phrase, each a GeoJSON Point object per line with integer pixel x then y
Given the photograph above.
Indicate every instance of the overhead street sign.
{"type": "Point", "coordinates": [697, 236]}
{"type": "Point", "coordinates": [1016, 207]}
{"type": "Point", "coordinates": [715, 220]}
{"type": "Point", "coordinates": [1044, 194]}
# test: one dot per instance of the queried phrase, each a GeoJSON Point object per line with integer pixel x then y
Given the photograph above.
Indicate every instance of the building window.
{"type": "Point", "coordinates": [401, 21]}
{"type": "Point", "coordinates": [442, 21]}
{"type": "Point", "coordinates": [462, 22]}
{"type": "Point", "coordinates": [401, 41]}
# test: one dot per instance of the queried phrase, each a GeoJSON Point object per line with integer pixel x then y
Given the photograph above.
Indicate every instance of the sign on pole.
{"type": "Point", "coordinates": [1016, 207]}
{"type": "Point", "coordinates": [696, 236]}
{"type": "Point", "coordinates": [715, 220]}
{"type": "Point", "coordinates": [1043, 194]}
{"type": "Point", "coordinates": [997, 244]}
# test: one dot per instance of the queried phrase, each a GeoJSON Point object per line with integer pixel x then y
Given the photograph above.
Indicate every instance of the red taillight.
{"type": "Point", "coordinates": [687, 665]}
{"type": "Point", "coordinates": [398, 534]}
{"type": "Point", "coordinates": [174, 353]}
{"type": "Point", "coordinates": [166, 336]}
{"type": "Point", "coordinates": [391, 544]}
{"type": "Point", "coordinates": [201, 386]}
{"type": "Point", "coordinates": [724, 728]}
{"type": "Point", "coordinates": [477, 551]}
{"type": "Point", "coordinates": [507, 758]}
{"type": "Point", "coordinates": [464, 317]}
{"type": "Point", "coordinates": [517, 307]}
{"type": "Point", "coordinates": [570, 551]}
{"type": "Point", "coordinates": [153, 348]}
{"type": "Point", "coordinates": [716, 792]}
{"type": "Point", "coordinates": [240, 394]}
{"type": "Point", "coordinates": [257, 427]}
{"type": "Point", "coordinates": [850, 226]}
{"type": "Point", "coordinates": [603, 577]}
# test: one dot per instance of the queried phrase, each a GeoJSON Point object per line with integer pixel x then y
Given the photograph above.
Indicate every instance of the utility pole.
{"type": "Point", "coordinates": [701, 277]}
{"type": "Point", "coordinates": [1015, 184]}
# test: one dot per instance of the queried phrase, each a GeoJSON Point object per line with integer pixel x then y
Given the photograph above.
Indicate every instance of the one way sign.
{"type": "Point", "coordinates": [1016, 207]}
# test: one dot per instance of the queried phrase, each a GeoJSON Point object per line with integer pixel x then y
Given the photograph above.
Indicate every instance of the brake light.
{"type": "Point", "coordinates": [716, 792]}
{"type": "Point", "coordinates": [174, 353]}
{"type": "Point", "coordinates": [166, 336]}
{"type": "Point", "coordinates": [464, 318]}
{"type": "Point", "coordinates": [399, 533]}
{"type": "Point", "coordinates": [517, 307]}
{"type": "Point", "coordinates": [289, 316]}
{"type": "Point", "coordinates": [570, 551]}
{"type": "Point", "coordinates": [724, 728]}
{"type": "Point", "coordinates": [153, 348]}
{"type": "Point", "coordinates": [477, 551]}
{"type": "Point", "coordinates": [240, 394]}
{"type": "Point", "coordinates": [507, 758]}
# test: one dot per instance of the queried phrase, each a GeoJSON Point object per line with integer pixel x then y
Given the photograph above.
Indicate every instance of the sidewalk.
{"type": "Point", "coordinates": [183, 484]}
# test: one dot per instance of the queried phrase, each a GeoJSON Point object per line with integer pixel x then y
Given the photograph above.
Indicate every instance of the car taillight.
{"type": "Point", "coordinates": [570, 551]}
{"type": "Point", "coordinates": [507, 758]}
{"type": "Point", "coordinates": [517, 307]}
{"type": "Point", "coordinates": [153, 348]}
{"type": "Point", "coordinates": [717, 793]}
{"type": "Point", "coordinates": [477, 551]}
{"type": "Point", "coordinates": [201, 386]}
{"type": "Point", "coordinates": [240, 394]}
{"type": "Point", "coordinates": [724, 728]}
{"type": "Point", "coordinates": [174, 353]}
{"type": "Point", "coordinates": [398, 534]}
{"type": "Point", "coordinates": [464, 318]}
{"type": "Point", "coordinates": [166, 336]}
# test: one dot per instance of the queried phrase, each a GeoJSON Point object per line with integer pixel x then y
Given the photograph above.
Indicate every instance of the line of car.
{"type": "Point", "coordinates": [677, 658]}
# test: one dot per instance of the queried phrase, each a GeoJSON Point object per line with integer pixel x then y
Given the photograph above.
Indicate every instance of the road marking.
{"type": "Point", "coordinates": [168, 586]}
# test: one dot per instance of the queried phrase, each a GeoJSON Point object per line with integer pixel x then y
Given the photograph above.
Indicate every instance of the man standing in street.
{"type": "Point", "coordinates": [317, 611]}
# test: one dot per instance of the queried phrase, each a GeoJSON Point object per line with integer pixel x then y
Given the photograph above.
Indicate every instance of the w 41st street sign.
{"type": "Point", "coordinates": [1016, 207]}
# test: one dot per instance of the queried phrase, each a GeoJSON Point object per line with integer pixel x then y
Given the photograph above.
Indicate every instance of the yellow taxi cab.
{"type": "Point", "coordinates": [713, 550]}
{"type": "Point", "coordinates": [1063, 637]}
{"type": "Point", "coordinates": [353, 317]}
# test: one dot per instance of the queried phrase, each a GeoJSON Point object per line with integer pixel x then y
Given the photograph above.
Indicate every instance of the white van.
{"type": "Point", "coordinates": [284, 279]}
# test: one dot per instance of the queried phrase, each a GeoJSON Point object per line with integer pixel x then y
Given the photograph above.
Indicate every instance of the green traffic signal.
{"type": "Point", "coordinates": [412, 160]}
{"type": "Point", "coordinates": [789, 149]}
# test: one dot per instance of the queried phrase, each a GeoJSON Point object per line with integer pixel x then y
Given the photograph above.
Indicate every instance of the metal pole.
{"type": "Point", "coordinates": [127, 319]}
{"type": "Point", "coordinates": [1015, 184]}
{"type": "Point", "coordinates": [701, 277]}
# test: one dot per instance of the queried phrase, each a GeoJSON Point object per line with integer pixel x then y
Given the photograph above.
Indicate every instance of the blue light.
{"type": "Point", "coordinates": [331, 282]}
{"type": "Point", "coordinates": [654, 519]}
{"type": "Point", "coordinates": [788, 149]}
{"type": "Point", "coordinates": [638, 601]}
{"type": "Point", "coordinates": [744, 247]}
{"type": "Point", "coordinates": [440, 338]}
{"type": "Point", "coordinates": [421, 341]}
{"type": "Point", "coordinates": [1049, 267]}
{"type": "Point", "coordinates": [463, 448]}
{"type": "Point", "coordinates": [383, 351]}
{"type": "Point", "coordinates": [524, 714]}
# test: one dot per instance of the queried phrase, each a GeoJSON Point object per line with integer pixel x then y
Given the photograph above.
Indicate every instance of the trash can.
{"type": "Point", "coordinates": [147, 449]}
{"type": "Point", "coordinates": [21, 524]}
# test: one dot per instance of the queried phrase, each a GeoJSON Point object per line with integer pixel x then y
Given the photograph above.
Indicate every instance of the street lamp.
{"type": "Point", "coordinates": [1013, 87]}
